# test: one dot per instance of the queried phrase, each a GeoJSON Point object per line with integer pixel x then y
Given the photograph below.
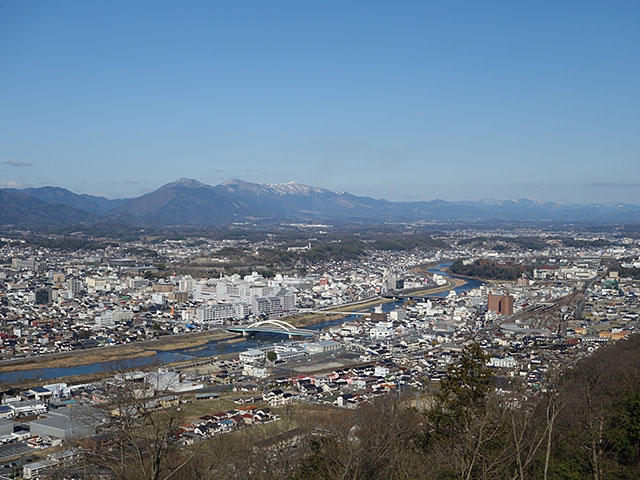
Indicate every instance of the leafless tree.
{"type": "Point", "coordinates": [137, 440]}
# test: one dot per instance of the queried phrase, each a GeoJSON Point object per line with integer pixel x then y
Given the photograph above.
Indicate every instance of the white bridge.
{"type": "Point", "coordinates": [270, 326]}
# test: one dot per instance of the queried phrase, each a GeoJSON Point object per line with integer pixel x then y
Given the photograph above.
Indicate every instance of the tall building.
{"type": "Point", "coordinates": [187, 283]}
{"type": "Point", "coordinates": [395, 283]}
{"type": "Point", "coordinates": [43, 296]}
{"type": "Point", "coordinates": [26, 264]}
{"type": "Point", "coordinates": [288, 300]}
{"type": "Point", "coordinates": [215, 313]}
{"type": "Point", "coordinates": [136, 282]}
{"type": "Point", "coordinates": [74, 287]}
{"type": "Point", "coordinates": [274, 305]}
{"type": "Point", "coordinates": [503, 304]}
{"type": "Point", "coordinates": [58, 279]}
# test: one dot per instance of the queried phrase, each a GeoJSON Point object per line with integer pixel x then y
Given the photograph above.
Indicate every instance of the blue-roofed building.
{"type": "Point", "coordinates": [40, 393]}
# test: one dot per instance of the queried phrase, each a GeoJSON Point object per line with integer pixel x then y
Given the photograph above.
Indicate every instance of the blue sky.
{"type": "Point", "coordinates": [399, 100]}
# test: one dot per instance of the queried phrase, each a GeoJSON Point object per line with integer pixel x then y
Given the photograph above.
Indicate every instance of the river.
{"type": "Point", "coordinates": [215, 347]}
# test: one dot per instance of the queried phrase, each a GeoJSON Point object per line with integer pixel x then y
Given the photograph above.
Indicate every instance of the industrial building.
{"type": "Point", "coordinates": [75, 421]}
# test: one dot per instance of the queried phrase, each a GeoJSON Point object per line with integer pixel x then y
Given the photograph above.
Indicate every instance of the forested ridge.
{"type": "Point", "coordinates": [490, 269]}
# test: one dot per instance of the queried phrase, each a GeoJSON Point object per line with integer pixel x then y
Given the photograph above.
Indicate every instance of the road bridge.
{"type": "Point", "coordinates": [270, 326]}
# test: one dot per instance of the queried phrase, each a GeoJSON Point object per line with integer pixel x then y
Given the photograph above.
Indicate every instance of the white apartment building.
{"type": "Point", "coordinates": [380, 332]}
{"type": "Point", "coordinates": [216, 313]}
{"type": "Point", "coordinates": [255, 371]}
{"type": "Point", "coordinates": [252, 356]}
{"type": "Point", "coordinates": [112, 317]}
{"type": "Point", "coordinates": [506, 362]}
{"type": "Point", "coordinates": [275, 305]}
{"type": "Point", "coordinates": [186, 284]}
{"type": "Point", "coordinates": [204, 292]}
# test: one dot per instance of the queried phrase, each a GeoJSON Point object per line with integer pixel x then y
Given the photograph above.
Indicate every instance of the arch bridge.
{"type": "Point", "coordinates": [270, 326]}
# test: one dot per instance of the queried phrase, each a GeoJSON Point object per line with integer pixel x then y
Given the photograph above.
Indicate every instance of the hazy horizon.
{"type": "Point", "coordinates": [379, 197]}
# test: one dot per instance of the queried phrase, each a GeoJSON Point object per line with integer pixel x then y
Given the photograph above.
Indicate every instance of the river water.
{"type": "Point", "coordinates": [215, 347]}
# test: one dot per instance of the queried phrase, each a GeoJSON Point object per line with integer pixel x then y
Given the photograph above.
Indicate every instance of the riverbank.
{"type": "Point", "coordinates": [451, 284]}
{"type": "Point", "coordinates": [116, 353]}
{"type": "Point", "coordinates": [108, 372]}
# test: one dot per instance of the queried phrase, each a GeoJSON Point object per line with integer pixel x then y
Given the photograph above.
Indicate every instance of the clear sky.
{"type": "Point", "coordinates": [399, 100]}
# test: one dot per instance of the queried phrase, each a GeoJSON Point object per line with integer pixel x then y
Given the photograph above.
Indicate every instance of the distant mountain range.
{"type": "Point", "coordinates": [189, 202]}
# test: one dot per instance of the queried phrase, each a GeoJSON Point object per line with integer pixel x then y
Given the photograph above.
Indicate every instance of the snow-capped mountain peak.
{"type": "Point", "coordinates": [293, 188]}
